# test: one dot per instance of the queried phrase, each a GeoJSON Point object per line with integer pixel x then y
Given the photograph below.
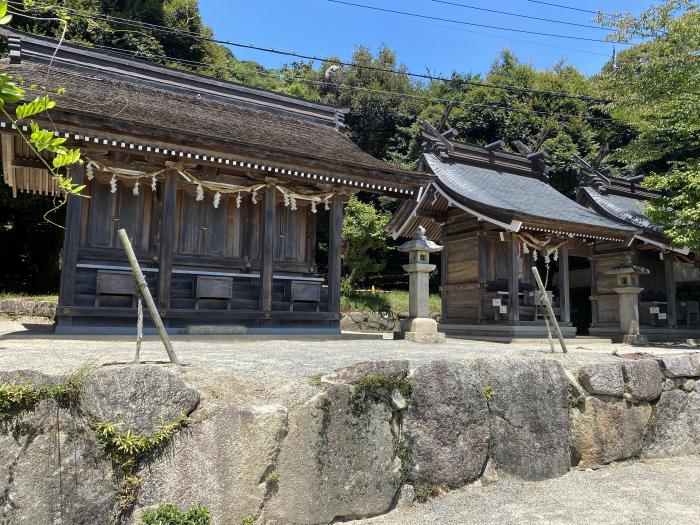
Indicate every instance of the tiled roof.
{"type": "Point", "coordinates": [626, 209]}
{"type": "Point", "coordinates": [521, 197]}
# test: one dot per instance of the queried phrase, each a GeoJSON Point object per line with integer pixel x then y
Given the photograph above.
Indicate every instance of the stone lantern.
{"type": "Point", "coordinates": [627, 286]}
{"type": "Point", "coordinates": [419, 327]}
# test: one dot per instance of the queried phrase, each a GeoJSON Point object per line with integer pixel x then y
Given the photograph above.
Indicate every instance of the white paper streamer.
{"type": "Point", "coordinates": [154, 184]}
{"type": "Point", "coordinates": [113, 184]}
{"type": "Point", "coordinates": [217, 198]}
{"type": "Point", "coordinates": [90, 171]}
{"type": "Point", "coordinates": [200, 193]}
{"type": "Point", "coordinates": [135, 191]}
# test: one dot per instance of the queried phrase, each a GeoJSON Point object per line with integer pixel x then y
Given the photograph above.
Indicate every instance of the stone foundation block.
{"type": "Point", "coordinates": [606, 431]}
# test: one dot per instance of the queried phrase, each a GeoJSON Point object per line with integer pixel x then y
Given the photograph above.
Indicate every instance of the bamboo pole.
{"type": "Point", "coordinates": [146, 294]}
{"type": "Point", "coordinates": [139, 330]}
{"type": "Point", "coordinates": [548, 306]}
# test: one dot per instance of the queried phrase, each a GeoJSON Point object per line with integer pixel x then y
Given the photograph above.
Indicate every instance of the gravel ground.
{"type": "Point", "coordinates": [634, 492]}
{"type": "Point", "coordinates": [264, 369]}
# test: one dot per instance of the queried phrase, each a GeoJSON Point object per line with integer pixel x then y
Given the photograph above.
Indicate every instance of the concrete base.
{"type": "Point", "coordinates": [652, 333]}
{"type": "Point", "coordinates": [635, 340]}
{"type": "Point", "coordinates": [215, 330]}
{"type": "Point", "coordinates": [504, 333]}
{"type": "Point", "coordinates": [426, 338]}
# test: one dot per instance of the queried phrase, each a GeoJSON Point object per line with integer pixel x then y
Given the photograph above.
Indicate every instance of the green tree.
{"type": "Point", "coordinates": [365, 238]}
{"type": "Point", "coordinates": [654, 87]}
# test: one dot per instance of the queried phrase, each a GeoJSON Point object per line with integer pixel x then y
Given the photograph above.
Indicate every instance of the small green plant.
{"type": "Point", "coordinates": [425, 491]}
{"type": "Point", "coordinates": [272, 477]}
{"type": "Point", "coordinates": [17, 398]}
{"type": "Point", "coordinates": [487, 391]}
{"type": "Point", "coordinates": [248, 520]}
{"type": "Point", "coordinates": [378, 387]}
{"type": "Point", "coordinates": [166, 514]}
{"type": "Point", "coordinates": [126, 450]}
{"type": "Point", "coordinates": [315, 380]}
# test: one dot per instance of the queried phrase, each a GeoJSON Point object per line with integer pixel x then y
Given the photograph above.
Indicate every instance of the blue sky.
{"type": "Point", "coordinates": [318, 27]}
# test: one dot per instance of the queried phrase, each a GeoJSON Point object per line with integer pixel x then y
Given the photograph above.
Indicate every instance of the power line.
{"type": "Point", "coordinates": [552, 4]}
{"type": "Point", "coordinates": [463, 22]}
{"type": "Point", "coordinates": [190, 34]}
{"type": "Point", "coordinates": [151, 57]}
{"type": "Point", "coordinates": [520, 15]}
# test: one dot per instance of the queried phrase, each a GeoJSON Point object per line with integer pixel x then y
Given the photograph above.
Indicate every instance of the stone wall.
{"type": "Point", "coordinates": [27, 308]}
{"type": "Point", "coordinates": [376, 435]}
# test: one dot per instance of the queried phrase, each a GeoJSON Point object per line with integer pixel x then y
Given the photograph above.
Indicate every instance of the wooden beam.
{"type": "Point", "coordinates": [167, 239]}
{"type": "Point", "coordinates": [268, 234]}
{"type": "Point", "coordinates": [335, 234]}
{"type": "Point", "coordinates": [564, 292]}
{"type": "Point", "coordinates": [71, 243]}
{"type": "Point", "coordinates": [513, 284]}
{"type": "Point", "coordinates": [670, 279]}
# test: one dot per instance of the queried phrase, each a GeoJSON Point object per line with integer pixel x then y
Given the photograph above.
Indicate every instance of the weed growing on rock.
{"type": "Point", "coordinates": [425, 491]}
{"type": "Point", "coordinates": [272, 477]}
{"type": "Point", "coordinates": [315, 380]}
{"type": "Point", "coordinates": [127, 450]}
{"type": "Point", "coordinates": [248, 520]}
{"type": "Point", "coordinates": [379, 388]}
{"type": "Point", "coordinates": [166, 514]}
{"type": "Point", "coordinates": [488, 392]}
{"type": "Point", "coordinates": [16, 399]}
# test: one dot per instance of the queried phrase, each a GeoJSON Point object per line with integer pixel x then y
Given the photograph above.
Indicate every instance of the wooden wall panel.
{"type": "Point", "coordinates": [462, 261]}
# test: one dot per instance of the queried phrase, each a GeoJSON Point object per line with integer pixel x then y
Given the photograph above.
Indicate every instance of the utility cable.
{"type": "Point", "coordinates": [422, 76]}
{"type": "Point", "coordinates": [475, 24]}
{"type": "Point", "coordinates": [520, 15]}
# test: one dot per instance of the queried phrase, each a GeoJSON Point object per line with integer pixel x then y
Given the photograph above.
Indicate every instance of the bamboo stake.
{"type": "Point", "coordinates": [548, 306]}
{"type": "Point", "coordinates": [146, 294]}
{"type": "Point", "coordinates": [139, 330]}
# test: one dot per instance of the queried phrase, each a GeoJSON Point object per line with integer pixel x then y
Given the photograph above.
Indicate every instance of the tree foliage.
{"type": "Point", "coordinates": [365, 238]}
{"type": "Point", "coordinates": [654, 88]}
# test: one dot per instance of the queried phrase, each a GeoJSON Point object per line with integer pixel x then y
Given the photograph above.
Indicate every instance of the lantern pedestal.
{"type": "Point", "coordinates": [627, 280]}
{"type": "Point", "coordinates": [419, 327]}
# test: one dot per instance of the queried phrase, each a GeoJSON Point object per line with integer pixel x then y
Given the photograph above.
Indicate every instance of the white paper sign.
{"type": "Point", "coordinates": [503, 309]}
{"type": "Point", "coordinates": [662, 316]}
{"type": "Point", "coordinates": [496, 302]}
{"type": "Point", "coordinates": [653, 309]}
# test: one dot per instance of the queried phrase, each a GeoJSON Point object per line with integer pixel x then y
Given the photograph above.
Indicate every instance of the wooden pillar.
{"type": "Point", "coordinates": [670, 291]}
{"type": "Point", "coordinates": [71, 244]}
{"type": "Point", "coordinates": [443, 282]}
{"type": "Point", "coordinates": [482, 261]}
{"type": "Point", "coordinates": [267, 253]}
{"type": "Point", "coordinates": [167, 239]}
{"type": "Point", "coordinates": [513, 264]}
{"type": "Point", "coordinates": [594, 288]}
{"type": "Point", "coordinates": [335, 235]}
{"type": "Point", "coordinates": [564, 292]}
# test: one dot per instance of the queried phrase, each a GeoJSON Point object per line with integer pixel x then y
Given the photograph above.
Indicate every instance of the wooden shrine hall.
{"type": "Point", "coordinates": [221, 188]}
{"type": "Point", "coordinates": [497, 217]}
{"type": "Point", "coordinates": [669, 305]}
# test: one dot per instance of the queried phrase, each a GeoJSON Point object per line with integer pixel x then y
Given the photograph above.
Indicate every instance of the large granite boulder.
{"type": "Point", "coordinates": [137, 396]}
{"type": "Point", "coordinates": [603, 379]}
{"type": "Point", "coordinates": [605, 431]}
{"type": "Point", "coordinates": [446, 427]}
{"type": "Point", "coordinates": [220, 460]}
{"type": "Point", "coordinates": [52, 471]}
{"type": "Point", "coordinates": [642, 379]}
{"type": "Point", "coordinates": [680, 366]}
{"type": "Point", "coordinates": [337, 462]}
{"type": "Point", "coordinates": [677, 427]}
{"type": "Point", "coordinates": [529, 416]}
